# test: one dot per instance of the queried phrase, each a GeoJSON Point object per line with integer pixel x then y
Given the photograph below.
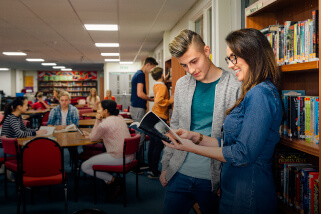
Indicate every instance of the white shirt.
{"type": "Point", "coordinates": [64, 118]}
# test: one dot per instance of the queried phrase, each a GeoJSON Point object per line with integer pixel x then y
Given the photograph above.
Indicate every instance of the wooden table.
{"type": "Point", "coordinates": [25, 117]}
{"type": "Point", "coordinates": [91, 114]}
{"type": "Point", "coordinates": [40, 111]}
{"type": "Point", "coordinates": [91, 122]}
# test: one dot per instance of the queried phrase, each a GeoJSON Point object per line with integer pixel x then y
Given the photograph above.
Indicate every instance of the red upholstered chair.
{"type": "Point", "coordinates": [127, 110]}
{"type": "Point", "coordinates": [10, 147]}
{"type": "Point", "coordinates": [131, 146]}
{"type": "Point", "coordinates": [82, 111]}
{"type": "Point", "coordinates": [124, 115]}
{"type": "Point", "coordinates": [45, 118]}
{"type": "Point", "coordinates": [120, 107]}
{"type": "Point", "coordinates": [42, 164]}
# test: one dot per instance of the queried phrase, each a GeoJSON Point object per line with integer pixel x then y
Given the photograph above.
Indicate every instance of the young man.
{"type": "Point", "coordinates": [63, 114]}
{"type": "Point", "coordinates": [139, 99]}
{"type": "Point", "coordinates": [161, 103]}
{"type": "Point", "coordinates": [201, 99]}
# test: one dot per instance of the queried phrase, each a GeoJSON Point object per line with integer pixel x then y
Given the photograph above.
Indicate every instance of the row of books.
{"type": "Point", "coordinates": [89, 84]}
{"type": "Point", "coordinates": [301, 116]}
{"type": "Point", "coordinates": [297, 182]}
{"type": "Point", "coordinates": [295, 41]}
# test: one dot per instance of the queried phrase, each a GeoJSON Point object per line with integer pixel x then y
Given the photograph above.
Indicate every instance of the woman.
{"type": "Point", "coordinates": [113, 130]}
{"type": "Point", "coordinates": [54, 98]}
{"type": "Point", "coordinates": [12, 123]}
{"type": "Point", "coordinates": [40, 104]}
{"type": "Point", "coordinates": [250, 131]}
{"type": "Point", "coordinates": [93, 100]}
{"type": "Point", "coordinates": [109, 95]}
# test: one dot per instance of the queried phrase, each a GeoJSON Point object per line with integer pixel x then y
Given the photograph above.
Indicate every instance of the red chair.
{"type": "Point", "coordinates": [120, 107]}
{"type": "Point", "coordinates": [10, 147]}
{"type": "Point", "coordinates": [124, 115]}
{"type": "Point", "coordinates": [131, 146]}
{"type": "Point", "coordinates": [127, 110]}
{"type": "Point", "coordinates": [42, 164]}
{"type": "Point", "coordinates": [83, 111]}
{"type": "Point", "coordinates": [45, 118]}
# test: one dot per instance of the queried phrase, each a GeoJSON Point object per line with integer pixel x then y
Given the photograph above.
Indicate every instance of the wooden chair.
{"type": "Point", "coordinates": [42, 164]}
{"type": "Point", "coordinates": [131, 146]}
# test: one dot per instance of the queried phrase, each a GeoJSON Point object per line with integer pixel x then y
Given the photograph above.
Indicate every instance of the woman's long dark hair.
{"type": "Point", "coordinates": [111, 106]}
{"type": "Point", "coordinates": [252, 46]}
{"type": "Point", "coordinates": [10, 107]}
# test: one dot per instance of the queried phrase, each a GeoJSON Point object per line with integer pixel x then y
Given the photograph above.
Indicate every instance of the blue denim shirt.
{"type": "Point", "coordinates": [55, 116]}
{"type": "Point", "coordinates": [250, 134]}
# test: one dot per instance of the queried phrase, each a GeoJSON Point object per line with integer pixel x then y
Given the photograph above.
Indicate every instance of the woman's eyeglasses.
{"type": "Point", "coordinates": [232, 59]}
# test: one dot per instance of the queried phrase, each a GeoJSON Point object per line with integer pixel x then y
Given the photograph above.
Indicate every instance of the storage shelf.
{"type": "Point", "coordinates": [305, 66]}
{"type": "Point", "coordinates": [262, 6]}
{"type": "Point", "coordinates": [300, 144]}
{"type": "Point", "coordinates": [74, 91]}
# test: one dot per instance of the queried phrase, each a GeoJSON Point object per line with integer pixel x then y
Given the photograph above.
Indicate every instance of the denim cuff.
{"type": "Point", "coordinates": [227, 154]}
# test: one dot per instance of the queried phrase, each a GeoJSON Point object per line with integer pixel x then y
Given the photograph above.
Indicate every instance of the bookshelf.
{"type": "Point", "coordinates": [300, 76]}
{"type": "Point", "coordinates": [76, 88]}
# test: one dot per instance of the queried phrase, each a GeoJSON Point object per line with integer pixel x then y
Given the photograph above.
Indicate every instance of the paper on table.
{"type": "Point", "coordinates": [50, 130]}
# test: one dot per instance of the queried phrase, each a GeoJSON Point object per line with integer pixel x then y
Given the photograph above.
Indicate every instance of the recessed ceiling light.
{"type": "Point", "coordinates": [14, 53]}
{"type": "Point", "coordinates": [101, 27]}
{"type": "Point", "coordinates": [110, 54]}
{"type": "Point", "coordinates": [66, 69]}
{"type": "Point", "coordinates": [4, 69]}
{"type": "Point", "coordinates": [48, 64]}
{"type": "Point", "coordinates": [125, 63]}
{"type": "Point", "coordinates": [35, 60]}
{"type": "Point", "coordinates": [107, 44]}
{"type": "Point", "coordinates": [58, 67]}
{"type": "Point", "coordinates": [111, 60]}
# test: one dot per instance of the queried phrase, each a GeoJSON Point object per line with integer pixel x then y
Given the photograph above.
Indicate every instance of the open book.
{"type": "Point", "coordinates": [154, 126]}
{"type": "Point", "coordinates": [70, 128]}
{"type": "Point", "coordinates": [50, 130]}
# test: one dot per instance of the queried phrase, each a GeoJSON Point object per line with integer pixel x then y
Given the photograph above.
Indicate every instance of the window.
{"type": "Point", "coordinates": [199, 26]}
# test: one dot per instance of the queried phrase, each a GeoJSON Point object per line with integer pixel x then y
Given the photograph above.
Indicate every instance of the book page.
{"type": "Point", "coordinates": [69, 128]}
{"type": "Point", "coordinates": [49, 129]}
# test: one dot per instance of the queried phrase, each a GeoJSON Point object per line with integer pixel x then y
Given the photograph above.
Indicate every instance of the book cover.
{"type": "Point", "coordinates": [293, 112]}
{"type": "Point", "coordinates": [287, 39]}
{"type": "Point", "coordinates": [311, 40]}
{"type": "Point", "coordinates": [154, 126]}
{"type": "Point", "coordinates": [301, 117]}
{"type": "Point", "coordinates": [281, 46]}
{"type": "Point", "coordinates": [306, 42]}
{"type": "Point", "coordinates": [305, 188]}
{"type": "Point", "coordinates": [298, 45]}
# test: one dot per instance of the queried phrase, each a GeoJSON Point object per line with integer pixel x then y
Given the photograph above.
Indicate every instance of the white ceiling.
{"type": "Point", "coordinates": [53, 30]}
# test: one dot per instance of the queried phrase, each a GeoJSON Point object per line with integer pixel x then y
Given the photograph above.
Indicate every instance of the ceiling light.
{"type": "Point", "coordinates": [126, 63]}
{"type": "Point", "coordinates": [4, 69]}
{"type": "Point", "coordinates": [58, 67]}
{"type": "Point", "coordinates": [101, 27]}
{"type": "Point", "coordinates": [107, 44]}
{"type": "Point", "coordinates": [35, 60]}
{"type": "Point", "coordinates": [14, 53]}
{"type": "Point", "coordinates": [66, 69]}
{"type": "Point", "coordinates": [48, 64]}
{"type": "Point", "coordinates": [111, 60]}
{"type": "Point", "coordinates": [110, 54]}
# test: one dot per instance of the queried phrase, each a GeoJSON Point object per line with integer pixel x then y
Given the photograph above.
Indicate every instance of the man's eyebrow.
{"type": "Point", "coordinates": [189, 61]}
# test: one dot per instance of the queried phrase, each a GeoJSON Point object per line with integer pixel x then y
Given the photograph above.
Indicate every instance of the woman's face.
{"type": "Point", "coordinates": [93, 93]}
{"type": "Point", "coordinates": [240, 67]}
{"type": "Point", "coordinates": [24, 107]}
{"type": "Point", "coordinates": [39, 97]}
{"type": "Point", "coordinates": [107, 93]}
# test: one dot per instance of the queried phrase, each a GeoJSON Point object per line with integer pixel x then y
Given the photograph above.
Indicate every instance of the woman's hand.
{"type": "Point", "coordinates": [86, 134]}
{"type": "Point", "coordinates": [99, 116]}
{"type": "Point", "coordinates": [162, 178]}
{"type": "Point", "coordinates": [41, 132]}
{"type": "Point", "coordinates": [186, 145]}
{"type": "Point", "coordinates": [185, 134]}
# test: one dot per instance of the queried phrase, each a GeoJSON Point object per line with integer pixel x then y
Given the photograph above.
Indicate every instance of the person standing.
{"type": "Point", "coordinates": [161, 105]}
{"type": "Point", "coordinates": [139, 100]}
{"type": "Point", "coordinates": [251, 128]}
{"type": "Point", "coordinates": [201, 99]}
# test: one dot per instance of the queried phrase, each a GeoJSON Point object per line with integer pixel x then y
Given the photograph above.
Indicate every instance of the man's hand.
{"type": "Point", "coordinates": [162, 178]}
{"type": "Point", "coordinates": [60, 127]}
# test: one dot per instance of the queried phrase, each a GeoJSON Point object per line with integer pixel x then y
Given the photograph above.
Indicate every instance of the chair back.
{"type": "Point", "coordinates": [82, 111]}
{"type": "Point", "coordinates": [80, 108]}
{"type": "Point", "coordinates": [45, 117]}
{"type": "Point", "coordinates": [124, 115]}
{"type": "Point", "coordinates": [42, 157]}
{"type": "Point", "coordinates": [10, 145]}
{"type": "Point", "coordinates": [120, 107]}
{"type": "Point", "coordinates": [81, 102]}
{"type": "Point", "coordinates": [131, 145]}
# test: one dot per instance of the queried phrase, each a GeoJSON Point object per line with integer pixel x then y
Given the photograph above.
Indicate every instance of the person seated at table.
{"type": "Point", "coordinates": [113, 130]}
{"type": "Point", "coordinates": [54, 98]}
{"type": "Point", "coordinates": [93, 100]}
{"type": "Point", "coordinates": [12, 123]}
{"type": "Point", "coordinates": [40, 103]}
{"type": "Point", "coordinates": [64, 114]}
{"type": "Point", "coordinates": [109, 95]}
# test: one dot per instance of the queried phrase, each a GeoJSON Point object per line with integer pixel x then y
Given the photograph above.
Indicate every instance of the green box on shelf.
{"type": "Point", "coordinates": [69, 78]}
{"type": "Point", "coordinates": [52, 78]}
{"type": "Point", "coordinates": [45, 78]}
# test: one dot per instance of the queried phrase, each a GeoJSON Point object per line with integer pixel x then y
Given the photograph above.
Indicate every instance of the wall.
{"type": "Point", "coordinates": [35, 79]}
{"type": "Point", "coordinates": [5, 82]}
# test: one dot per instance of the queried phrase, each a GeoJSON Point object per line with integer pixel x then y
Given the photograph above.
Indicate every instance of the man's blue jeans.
{"type": "Point", "coordinates": [182, 192]}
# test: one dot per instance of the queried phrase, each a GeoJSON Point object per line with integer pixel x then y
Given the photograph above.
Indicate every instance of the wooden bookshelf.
{"type": "Point", "coordinates": [300, 76]}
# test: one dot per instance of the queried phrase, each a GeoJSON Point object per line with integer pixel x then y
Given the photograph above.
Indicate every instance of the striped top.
{"type": "Point", "coordinates": [13, 127]}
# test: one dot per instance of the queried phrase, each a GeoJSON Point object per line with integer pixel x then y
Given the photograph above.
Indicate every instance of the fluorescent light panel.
{"type": "Point", "coordinates": [110, 54]}
{"type": "Point", "coordinates": [126, 63]}
{"type": "Point", "coordinates": [66, 69]}
{"type": "Point", "coordinates": [58, 67]}
{"type": "Point", "coordinates": [14, 53]}
{"type": "Point", "coordinates": [111, 60]}
{"type": "Point", "coordinates": [101, 27]}
{"type": "Point", "coordinates": [48, 64]}
{"type": "Point", "coordinates": [35, 60]}
{"type": "Point", "coordinates": [4, 69]}
{"type": "Point", "coordinates": [107, 44]}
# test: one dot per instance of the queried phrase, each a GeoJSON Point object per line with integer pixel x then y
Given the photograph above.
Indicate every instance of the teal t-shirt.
{"type": "Point", "coordinates": [202, 109]}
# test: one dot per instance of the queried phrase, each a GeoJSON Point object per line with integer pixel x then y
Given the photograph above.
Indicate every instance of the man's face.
{"type": "Point", "coordinates": [64, 101]}
{"type": "Point", "coordinates": [196, 62]}
{"type": "Point", "coordinates": [149, 67]}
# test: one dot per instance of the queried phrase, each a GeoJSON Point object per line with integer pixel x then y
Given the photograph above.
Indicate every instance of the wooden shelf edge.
{"type": "Point", "coordinates": [314, 65]}
{"type": "Point", "coordinates": [301, 145]}
{"type": "Point", "coordinates": [258, 7]}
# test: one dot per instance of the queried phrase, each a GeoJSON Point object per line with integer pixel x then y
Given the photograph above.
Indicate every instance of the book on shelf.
{"type": "Point", "coordinates": [154, 126]}
{"type": "Point", "coordinates": [312, 177]}
{"type": "Point", "coordinates": [316, 196]}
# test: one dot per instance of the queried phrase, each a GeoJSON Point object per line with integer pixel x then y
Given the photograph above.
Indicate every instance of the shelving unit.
{"type": "Point", "coordinates": [301, 76]}
{"type": "Point", "coordinates": [76, 88]}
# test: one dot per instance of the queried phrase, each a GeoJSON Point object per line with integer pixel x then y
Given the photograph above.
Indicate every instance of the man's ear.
{"type": "Point", "coordinates": [207, 50]}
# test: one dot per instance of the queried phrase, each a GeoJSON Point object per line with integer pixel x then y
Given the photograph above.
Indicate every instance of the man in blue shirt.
{"type": "Point", "coordinates": [139, 98]}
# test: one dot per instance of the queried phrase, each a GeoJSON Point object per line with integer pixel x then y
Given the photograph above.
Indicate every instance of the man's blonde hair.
{"type": "Point", "coordinates": [183, 41]}
{"type": "Point", "coordinates": [64, 93]}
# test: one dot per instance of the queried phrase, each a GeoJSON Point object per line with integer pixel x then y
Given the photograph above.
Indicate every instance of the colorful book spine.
{"type": "Point", "coordinates": [301, 117]}
{"type": "Point", "coordinates": [312, 176]}
{"type": "Point", "coordinates": [315, 17]}
{"type": "Point", "coordinates": [316, 196]}
{"type": "Point", "coordinates": [308, 134]}
{"type": "Point", "coordinates": [302, 41]}
{"type": "Point", "coordinates": [305, 188]}
{"type": "Point", "coordinates": [311, 40]}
